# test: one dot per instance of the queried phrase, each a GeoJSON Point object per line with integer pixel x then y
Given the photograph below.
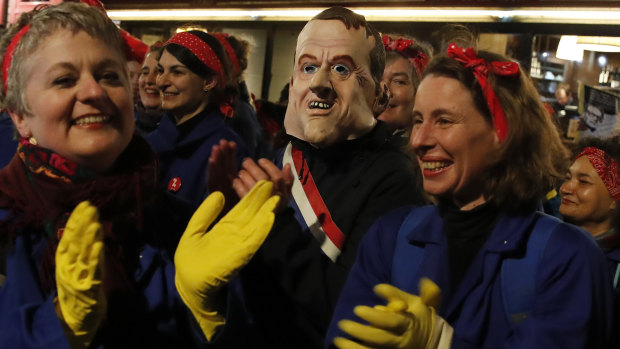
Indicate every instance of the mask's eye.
{"type": "Point", "coordinates": [310, 69]}
{"type": "Point", "coordinates": [341, 69]}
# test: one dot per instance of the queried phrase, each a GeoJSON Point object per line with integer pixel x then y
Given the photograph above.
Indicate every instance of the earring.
{"type": "Point", "coordinates": [205, 89]}
{"type": "Point", "coordinates": [32, 141]}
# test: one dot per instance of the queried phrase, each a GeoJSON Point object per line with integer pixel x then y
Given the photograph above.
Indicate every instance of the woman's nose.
{"type": "Point", "coordinates": [421, 136]}
{"type": "Point", "coordinates": [90, 89]}
{"type": "Point", "coordinates": [161, 80]}
{"type": "Point", "coordinates": [566, 187]}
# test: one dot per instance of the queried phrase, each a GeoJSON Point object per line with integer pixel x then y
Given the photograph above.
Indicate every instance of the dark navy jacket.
{"type": "Point", "coordinates": [613, 261]}
{"type": "Point", "coordinates": [183, 152]}
{"type": "Point", "coordinates": [291, 286]}
{"type": "Point", "coordinates": [573, 299]}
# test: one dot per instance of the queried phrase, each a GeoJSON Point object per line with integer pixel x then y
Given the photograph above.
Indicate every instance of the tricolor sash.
{"type": "Point", "coordinates": [311, 205]}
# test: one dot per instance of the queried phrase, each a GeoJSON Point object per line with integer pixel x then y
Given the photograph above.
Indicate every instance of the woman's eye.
{"type": "Point", "coordinates": [400, 82]}
{"type": "Point", "coordinates": [309, 69]}
{"type": "Point", "coordinates": [111, 77]}
{"type": "Point", "coordinates": [64, 81]}
{"type": "Point", "coordinates": [444, 121]}
{"type": "Point", "coordinates": [341, 69]}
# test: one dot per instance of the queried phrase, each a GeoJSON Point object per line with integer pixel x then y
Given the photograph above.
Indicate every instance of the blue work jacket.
{"type": "Point", "coordinates": [572, 306]}
{"type": "Point", "coordinates": [28, 318]}
{"type": "Point", "coordinates": [184, 150]}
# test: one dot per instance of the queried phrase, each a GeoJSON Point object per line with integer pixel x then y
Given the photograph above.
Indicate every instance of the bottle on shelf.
{"type": "Point", "coordinates": [607, 77]}
{"type": "Point", "coordinates": [535, 65]}
{"type": "Point", "coordinates": [615, 80]}
{"type": "Point", "coordinates": [601, 76]}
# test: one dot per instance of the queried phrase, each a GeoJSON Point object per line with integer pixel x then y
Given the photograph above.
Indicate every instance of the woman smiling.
{"type": "Point", "coordinates": [91, 238]}
{"type": "Point", "coordinates": [195, 82]}
{"type": "Point", "coordinates": [510, 277]}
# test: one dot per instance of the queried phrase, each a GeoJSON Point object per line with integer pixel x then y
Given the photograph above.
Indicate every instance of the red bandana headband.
{"type": "Point", "coordinates": [480, 69]}
{"type": "Point", "coordinates": [606, 168]}
{"type": "Point", "coordinates": [202, 51]}
{"type": "Point", "coordinates": [221, 37]}
{"type": "Point", "coordinates": [8, 56]}
{"type": "Point", "coordinates": [402, 46]}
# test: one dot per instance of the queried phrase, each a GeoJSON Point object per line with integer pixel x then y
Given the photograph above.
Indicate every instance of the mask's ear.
{"type": "Point", "coordinates": [21, 124]}
{"type": "Point", "coordinates": [382, 100]}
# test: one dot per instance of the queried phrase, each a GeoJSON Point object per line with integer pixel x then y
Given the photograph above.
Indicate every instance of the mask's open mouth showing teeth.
{"type": "Point", "coordinates": [320, 105]}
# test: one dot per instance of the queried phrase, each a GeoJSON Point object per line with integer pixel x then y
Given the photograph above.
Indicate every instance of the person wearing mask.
{"type": "Point", "coordinates": [344, 172]}
{"type": "Point", "coordinates": [195, 82]}
{"type": "Point", "coordinates": [483, 268]}
{"type": "Point", "coordinates": [92, 240]}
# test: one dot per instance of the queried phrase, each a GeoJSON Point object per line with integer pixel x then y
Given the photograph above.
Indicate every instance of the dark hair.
{"type": "Point", "coordinates": [611, 147]}
{"type": "Point", "coordinates": [187, 58]}
{"type": "Point", "coordinates": [242, 50]}
{"type": "Point", "coordinates": [532, 159]}
{"type": "Point", "coordinates": [352, 19]}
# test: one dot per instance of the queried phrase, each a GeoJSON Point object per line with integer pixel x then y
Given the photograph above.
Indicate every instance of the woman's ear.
{"type": "Point", "coordinates": [210, 84]}
{"type": "Point", "coordinates": [21, 124]}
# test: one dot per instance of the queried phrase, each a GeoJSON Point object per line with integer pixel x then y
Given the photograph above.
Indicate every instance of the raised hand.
{"type": "Point", "coordinates": [81, 303]}
{"type": "Point", "coordinates": [205, 261]}
{"type": "Point", "coordinates": [253, 172]}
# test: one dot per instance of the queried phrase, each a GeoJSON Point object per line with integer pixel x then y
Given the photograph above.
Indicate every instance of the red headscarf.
{"type": "Point", "coordinates": [606, 168]}
{"type": "Point", "coordinates": [406, 49]}
{"type": "Point", "coordinates": [223, 39]}
{"type": "Point", "coordinates": [481, 69]}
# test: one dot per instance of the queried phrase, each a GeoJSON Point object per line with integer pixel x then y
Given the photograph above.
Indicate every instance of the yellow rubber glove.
{"type": "Point", "coordinates": [205, 261]}
{"type": "Point", "coordinates": [407, 321]}
{"type": "Point", "coordinates": [81, 303]}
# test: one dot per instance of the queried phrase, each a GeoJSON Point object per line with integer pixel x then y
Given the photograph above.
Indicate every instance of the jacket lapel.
{"type": "Point", "coordinates": [509, 236]}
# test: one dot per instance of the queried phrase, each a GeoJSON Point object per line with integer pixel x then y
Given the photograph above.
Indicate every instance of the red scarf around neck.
{"type": "Point", "coordinates": [40, 189]}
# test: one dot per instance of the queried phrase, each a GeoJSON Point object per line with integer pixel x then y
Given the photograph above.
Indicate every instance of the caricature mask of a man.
{"type": "Point", "coordinates": [331, 93]}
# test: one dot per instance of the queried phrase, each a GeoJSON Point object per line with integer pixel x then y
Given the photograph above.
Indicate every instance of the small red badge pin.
{"type": "Point", "coordinates": [175, 184]}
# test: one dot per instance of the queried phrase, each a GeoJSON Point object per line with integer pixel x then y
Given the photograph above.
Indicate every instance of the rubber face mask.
{"type": "Point", "coordinates": [331, 92]}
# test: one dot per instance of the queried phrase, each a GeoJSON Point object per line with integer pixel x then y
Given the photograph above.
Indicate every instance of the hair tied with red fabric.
{"type": "Point", "coordinates": [202, 51]}
{"type": "Point", "coordinates": [403, 46]}
{"type": "Point", "coordinates": [606, 168]}
{"type": "Point", "coordinates": [398, 45]}
{"type": "Point", "coordinates": [223, 39]}
{"type": "Point", "coordinates": [10, 51]}
{"type": "Point", "coordinates": [481, 68]}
